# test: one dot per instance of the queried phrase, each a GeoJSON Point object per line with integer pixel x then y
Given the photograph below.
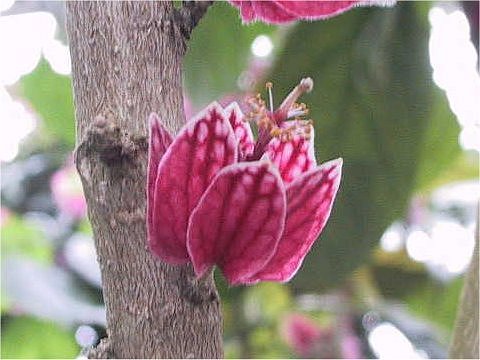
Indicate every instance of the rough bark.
{"type": "Point", "coordinates": [465, 336]}
{"type": "Point", "coordinates": [126, 63]}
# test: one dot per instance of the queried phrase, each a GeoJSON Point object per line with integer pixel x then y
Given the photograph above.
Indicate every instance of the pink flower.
{"type": "Point", "coordinates": [67, 191]}
{"type": "Point", "coordinates": [301, 334]}
{"type": "Point", "coordinates": [253, 208]}
{"type": "Point", "coordinates": [279, 12]}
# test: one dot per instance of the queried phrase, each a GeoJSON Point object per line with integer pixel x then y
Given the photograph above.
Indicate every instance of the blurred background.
{"type": "Point", "coordinates": [396, 95]}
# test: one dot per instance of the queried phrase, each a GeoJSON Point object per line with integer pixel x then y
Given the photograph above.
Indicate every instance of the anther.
{"type": "Point", "coordinates": [306, 85]}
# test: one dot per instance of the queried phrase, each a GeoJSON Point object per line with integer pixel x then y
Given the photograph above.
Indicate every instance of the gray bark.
{"type": "Point", "coordinates": [126, 63]}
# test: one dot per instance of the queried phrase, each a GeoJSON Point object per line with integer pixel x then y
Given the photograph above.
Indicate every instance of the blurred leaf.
{"type": "Point", "coordinates": [50, 94]}
{"type": "Point", "coordinates": [85, 227]}
{"type": "Point", "coordinates": [465, 167]}
{"type": "Point", "coordinates": [376, 107]}
{"type": "Point", "coordinates": [442, 302]}
{"type": "Point", "coordinates": [22, 238]}
{"type": "Point", "coordinates": [29, 338]}
{"type": "Point", "coordinates": [266, 344]}
{"type": "Point", "coordinates": [218, 52]}
{"type": "Point", "coordinates": [439, 144]}
{"type": "Point", "coordinates": [399, 281]}
{"type": "Point", "coordinates": [267, 301]}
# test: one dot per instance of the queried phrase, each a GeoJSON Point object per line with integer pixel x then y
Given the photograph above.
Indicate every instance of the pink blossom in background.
{"type": "Point", "coordinates": [216, 196]}
{"type": "Point", "coordinates": [309, 339]}
{"type": "Point", "coordinates": [301, 334]}
{"type": "Point", "coordinates": [67, 191]}
{"type": "Point", "coordinates": [280, 12]}
{"type": "Point", "coordinates": [4, 215]}
{"type": "Point", "coordinates": [351, 347]}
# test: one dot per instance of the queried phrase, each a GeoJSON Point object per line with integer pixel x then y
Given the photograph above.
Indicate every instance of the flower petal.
{"type": "Point", "coordinates": [246, 10]}
{"type": "Point", "coordinates": [293, 157]}
{"type": "Point", "coordinates": [241, 128]}
{"type": "Point", "coordinates": [203, 147]}
{"type": "Point", "coordinates": [309, 202]}
{"type": "Point", "coordinates": [271, 13]}
{"type": "Point", "coordinates": [238, 222]}
{"type": "Point", "coordinates": [315, 10]}
{"type": "Point", "coordinates": [159, 140]}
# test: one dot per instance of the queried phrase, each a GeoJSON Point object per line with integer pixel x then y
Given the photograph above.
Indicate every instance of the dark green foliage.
{"type": "Point", "coordinates": [374, 104]}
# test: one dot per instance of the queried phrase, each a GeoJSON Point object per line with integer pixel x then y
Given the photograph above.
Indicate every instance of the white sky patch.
{"type": "Point", "coordinates": [462, 194]}
{"type": "Point", "coordinates": [6, 4]}
{"type": "Point", "coordinates": [388, 342]}
{"type": "Point", "coordinates": [419, 245]}
{"type": "Point", "coordinates": [392, 238]}
{"type": "Point", "coordinates": [452, 247]}
{"type": "Point", "coordinates": [23, 39]}
{"type": "Point", "coordinates": [453, 58]}
{"type": "Point", "coordinates": [262, 46]}
{"type": "Point", "coordinates": [446, 250]}
{"type": "Point", "coordinates": [16, 122]}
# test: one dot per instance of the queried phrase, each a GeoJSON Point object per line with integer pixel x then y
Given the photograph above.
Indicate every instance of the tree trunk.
{"type": "Point", "coordinates": [465, 336]}
{"type": "Point", "coordinates": [126, 63]}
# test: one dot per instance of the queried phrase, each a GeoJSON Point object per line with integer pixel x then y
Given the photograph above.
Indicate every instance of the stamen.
{"type": "Point", "coordinates": [269, 87]}
{"type": "Point", "coordinates": [274, 124]}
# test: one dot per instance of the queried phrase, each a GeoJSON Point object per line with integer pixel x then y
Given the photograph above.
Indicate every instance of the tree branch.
{"type": "Point", "coordinates": [126, 63]}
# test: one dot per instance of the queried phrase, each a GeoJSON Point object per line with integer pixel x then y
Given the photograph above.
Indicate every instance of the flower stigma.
{"type": "Point", "coordinates": [273, 124]}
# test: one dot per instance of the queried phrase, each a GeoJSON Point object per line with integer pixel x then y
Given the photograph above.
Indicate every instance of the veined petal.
{"type": "Point", "coordinates": [315, 10]}
{"type": "Point", "coordinates": [270, 12]}
{"type": "Point", "coordinates": [241, 128]}
{"type": "Point", "coordinates": [246, 10]}
{"type": "Point", "coordinates": [159, 140]}
{"type": "Point", "coordinates": [238, 222]}
{"type": "Point", "coordinates": [309, 202]}
{"type": "Point", "coordinates": [293, 157]}
{"type": "Point", "coordinates": [203, 147]}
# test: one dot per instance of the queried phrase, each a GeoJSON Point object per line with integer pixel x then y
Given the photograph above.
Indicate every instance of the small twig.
{"type": "Point", "coordinates": [189, 15]}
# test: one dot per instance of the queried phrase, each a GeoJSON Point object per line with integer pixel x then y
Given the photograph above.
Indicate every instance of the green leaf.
{"type": "Point", "coordinates": [218, 52]}
{"type": "Point", "coordinates": [29, 338]}
{"type": "Point", "coordinates": [50, 95]}
{"type": "Point", "coordinates": [376, 106]}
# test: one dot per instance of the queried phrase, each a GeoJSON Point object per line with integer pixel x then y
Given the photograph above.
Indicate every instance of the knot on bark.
{"type": "Point", "coordinates": [189, 15]}
{"type": "Point", "coordinates": [112, 145]}
{"type": "Point", "coordinates": [102, 351]}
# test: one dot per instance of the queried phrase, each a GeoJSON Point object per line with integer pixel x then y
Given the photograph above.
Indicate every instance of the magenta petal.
{"type": "Point", "coordinates": [270, 12]}
{"type": "Point", "coordinates": [203, 147]}
{"type": "Point", "coordinates": [246, 10]}
{"type": "Point", "coordinates": [241, 128]}
{"type": "Point", "coordinates": [309, 202]}
{"type": "Point", "coordinates": [238, 222]}
{"type": "Point", "coordinates": [159, 140]}
{"type": "Point", "coordinates": [293, 157]}
{"type": "Point", "coordinates": [314, 10]}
